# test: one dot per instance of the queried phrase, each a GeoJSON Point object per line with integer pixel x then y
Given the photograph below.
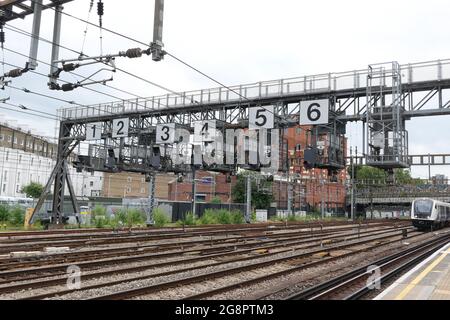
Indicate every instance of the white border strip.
{"type": "Point", "coordinates": [410, 272]}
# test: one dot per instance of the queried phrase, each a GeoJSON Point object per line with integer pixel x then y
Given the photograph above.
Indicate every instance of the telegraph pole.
{"type": "Point", "coordinates": [194, 191]}
{"type": "Point", "coordinates": [151, 198]}
{"type": "Point", "coordinates": [352, 214]}
{"type": "Point", "coordinates": [322, 209]}
{"type": "Point", "coordinates": [249, 199]}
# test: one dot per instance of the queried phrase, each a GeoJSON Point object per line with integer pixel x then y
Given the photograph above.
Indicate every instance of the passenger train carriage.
{"type": "Point", "coordinates": [430, 214]}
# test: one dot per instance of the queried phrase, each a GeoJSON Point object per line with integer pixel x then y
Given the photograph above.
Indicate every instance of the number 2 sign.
{"type": "Point", "coordinates": [314, 112]}
{"type": "Point", "coordinates": [120, 128]}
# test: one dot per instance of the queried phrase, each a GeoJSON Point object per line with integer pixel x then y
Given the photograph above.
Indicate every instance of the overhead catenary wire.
{"type": "Point", "coordinates": [44, 95]}
{"type": "Point", "coordinates": [19, 110]}
{"type": "Point", "coordinates": [18, 30]}
{"type": "Point", "coordinates": [78, 75]}
{"type": "Point", "coordinates": [169, 54]}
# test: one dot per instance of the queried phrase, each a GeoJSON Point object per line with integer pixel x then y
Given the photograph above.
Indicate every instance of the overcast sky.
{"type": "Point", "coordinates": [242, 41]}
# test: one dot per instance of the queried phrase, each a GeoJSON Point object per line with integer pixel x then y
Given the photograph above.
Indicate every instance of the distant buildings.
{"type": "Point", "coordinates": [26, 157]}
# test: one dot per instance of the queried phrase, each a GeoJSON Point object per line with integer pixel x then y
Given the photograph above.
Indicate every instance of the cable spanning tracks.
{"type": "Point", "coordinates": [360, 282]}
{"type": "Point", "coordinates": [209, 260]}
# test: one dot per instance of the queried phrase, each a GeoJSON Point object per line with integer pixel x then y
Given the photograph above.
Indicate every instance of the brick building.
{"type": "Point", "coordinates": [208, 186]}
{"type": "Point", "coordinates": [133, 185]}
{"type": "Point", "coordinates": [312, 187]}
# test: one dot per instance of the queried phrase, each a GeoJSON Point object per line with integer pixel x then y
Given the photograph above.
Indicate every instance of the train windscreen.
{"type": "Point", "coordinates": [423, 207]}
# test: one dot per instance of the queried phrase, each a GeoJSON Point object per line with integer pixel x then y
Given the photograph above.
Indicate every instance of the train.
{"type": "Point", "coordinates": [430, 214]}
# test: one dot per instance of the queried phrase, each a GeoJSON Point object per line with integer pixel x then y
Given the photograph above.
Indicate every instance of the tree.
{"type": "Point", "coordinates": [403, 177]}
{"type": "Point", "coordinates": [260, 199]}
{"type": "Point", "coordinates": [370, 173]}
{"type": "Point", "coordinates": [33, 190]}
{"type": "Point", "coordinates": [4, 213]}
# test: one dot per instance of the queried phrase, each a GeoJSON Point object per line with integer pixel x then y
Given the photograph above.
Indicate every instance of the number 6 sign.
{"type": "Point", "coordinates": [314, 112]}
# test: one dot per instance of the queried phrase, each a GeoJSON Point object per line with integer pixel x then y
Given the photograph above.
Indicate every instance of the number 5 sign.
{"type": "Point", "coordinates": [314, 112]}
{"type": "Point", "coordinates": [261, 118]}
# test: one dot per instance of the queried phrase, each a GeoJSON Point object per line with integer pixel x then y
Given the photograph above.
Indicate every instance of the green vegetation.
{"type": "Point", "coordinates": [212, 216]}
{"type": "Point", "coordinates": [4, 214]}
{"type": "Point", "coordinates": [33, 190]}
{"type": "Point", "coordinates": [260, 199]}
{"type": "Point", "coordinates": [12, 216]}
{"type": "Point", "coordinates": [379, 176]}
{"type": "Point", "coordinates": [17, 216]}
{"type": "Point", "coordinates": [216, 200]}
{"type": "Point", "coordinates": [160, 218]}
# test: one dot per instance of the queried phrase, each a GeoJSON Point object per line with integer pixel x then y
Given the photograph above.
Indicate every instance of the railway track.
{"type": "Point", "coordinates": [357, 283]}
{"type": "Point", "coordinates": [243, 254]}
{"type": "Point", "coordinates": [221, 244]}
{"type": "Point", "coordinates": [305, 260]}
{"type": "Point", "coordinates": [27, 243]}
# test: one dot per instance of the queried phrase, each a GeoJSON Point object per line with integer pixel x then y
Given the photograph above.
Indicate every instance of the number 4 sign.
{"type": "Point", "coordinates": [314, 112]}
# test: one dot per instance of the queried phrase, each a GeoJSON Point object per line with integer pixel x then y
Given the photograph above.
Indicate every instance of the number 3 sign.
{"type": "Point", "coordinates": [314, 112]}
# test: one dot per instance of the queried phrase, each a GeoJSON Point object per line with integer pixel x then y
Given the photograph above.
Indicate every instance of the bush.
{"type": "Point", "coordinates": [135, 217]}
{"type": "Point", "coordinates": [98, 211]}
{"type": "Point", "coordinates": [208, 217]}
{"type": "Point", "coordinates": [190, 219]}
{"type": "Point", "coordinates": [17, 216]}
{"type": "Point", "coordinates": [238, 218]}
{"type": "Point", "coordinates": [160, 218]}
{"type": "Point", "coordinates": [4, 213]}
{"type": "Point", "coordinates": [120, 217]}
{"type": "Point", "coordinates": [216, 200]}
{"type": "Point", "coordinates": [100, 222]}
{"type": "Point", "coordinates": [223, 217]}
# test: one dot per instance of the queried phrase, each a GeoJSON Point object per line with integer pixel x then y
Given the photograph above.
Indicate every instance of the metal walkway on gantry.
{"type": "Point", "coordinates": [348, 90]}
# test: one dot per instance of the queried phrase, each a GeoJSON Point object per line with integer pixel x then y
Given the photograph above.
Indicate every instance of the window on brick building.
{"type": "Point", "coordinates": [129, 179]}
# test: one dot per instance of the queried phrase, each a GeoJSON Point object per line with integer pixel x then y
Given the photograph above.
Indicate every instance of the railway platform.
{"type": "Point", "coordinates": [430, 280]}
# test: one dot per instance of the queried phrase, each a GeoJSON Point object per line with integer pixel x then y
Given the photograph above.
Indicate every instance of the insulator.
{"type": "Point", "coordinates": [100, 8]}
{"type": "Point", "coordinates": [68, 87]}
{"type": "Point", "coordinates": [69, 67]}
{"type": "Point", "coordinates": [14, 73]}
{"type": "Point", "coordinates": [2, 36]}
{"type": "Point", "coordinates": [134, 53]}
